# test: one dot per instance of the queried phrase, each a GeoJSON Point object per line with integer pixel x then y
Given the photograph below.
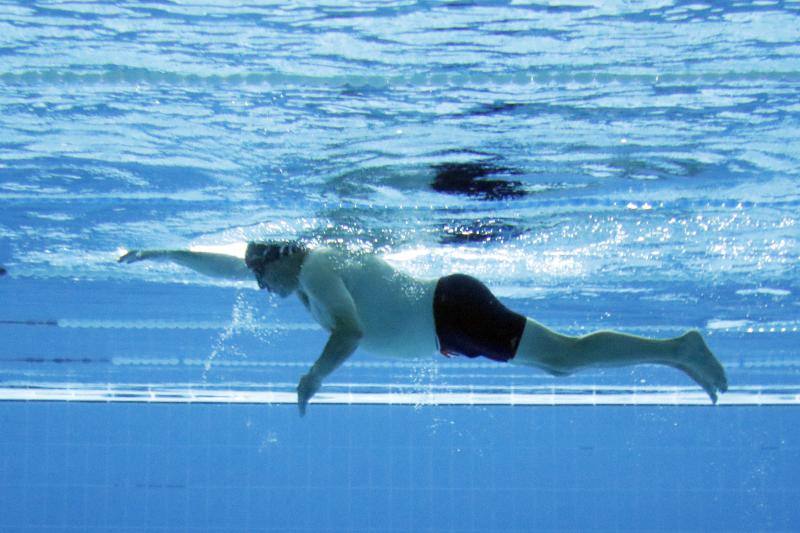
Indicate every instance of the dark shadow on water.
{"type": "Point", "coordinates": [495, 108]}
{"type": "Point", "coordinates": [472, 179]}
{"type": "Point", "coordinates": [482, 180]}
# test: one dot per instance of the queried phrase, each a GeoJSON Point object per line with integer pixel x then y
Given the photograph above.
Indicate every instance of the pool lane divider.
{"type": "Point", "coordinates": [394, 395]}
{"type": "Point", "coordinates": [713, 327]}
{"type": "Point", "coordinates": [30, 322]}
{"type": "Point", "coordinates": [82, 323]}
{"type": "Point", "coordinates": [119, 75]}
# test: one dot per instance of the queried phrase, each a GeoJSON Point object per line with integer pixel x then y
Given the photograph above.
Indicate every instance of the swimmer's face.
{"type": "Point", "coordinates": [276, 281]}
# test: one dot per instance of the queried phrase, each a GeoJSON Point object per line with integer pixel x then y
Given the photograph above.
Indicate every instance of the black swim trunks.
{"type": "Point", "coordinates": [471, 321]}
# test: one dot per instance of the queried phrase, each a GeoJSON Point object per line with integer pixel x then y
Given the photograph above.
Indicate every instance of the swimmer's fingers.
{"type": "Point", "coordinates": [308, 386]}
{"type": "Point", "coordinates": [130, 257]}
{"type": "Point", "coordinates": [134, 256]}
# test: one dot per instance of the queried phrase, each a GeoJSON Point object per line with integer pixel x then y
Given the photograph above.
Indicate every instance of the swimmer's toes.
{"type": "Point", "coordinates": [701, 380]}
{"type": "Point", "coordinates": [702, 362]}
{"type": "Point", "coordinates": [717, 371]}
{"type": "Point", "coordinates": [716, 378]}
{"type": "Point", "coordinates": [710, 389]}
{"type": "Point", "coordinates": [722, 385]}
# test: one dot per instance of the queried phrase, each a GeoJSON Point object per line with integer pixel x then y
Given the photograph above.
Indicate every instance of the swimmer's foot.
{"type": "Point", "coordinates": [696, 360]}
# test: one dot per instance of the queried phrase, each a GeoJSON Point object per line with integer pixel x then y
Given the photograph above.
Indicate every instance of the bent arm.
{"type": "Point", "coordinates": [209, 264]}
{"type": "Point", "coordinates": [340, 346]}
{"type": "Point", "coordinates": [328, 295]}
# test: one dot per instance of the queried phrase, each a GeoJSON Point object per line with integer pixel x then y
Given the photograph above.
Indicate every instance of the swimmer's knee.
{"type": "Point", "coordinates": [553, 365]}
{"type": "Point", "coordinates": [559, 368]}
{"type": "Point", "coordinates": [547, 350]}
{"type": "Point", "coordinates": [558, 373]}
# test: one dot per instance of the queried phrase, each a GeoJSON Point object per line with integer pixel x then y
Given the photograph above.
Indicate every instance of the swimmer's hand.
{"type": "Point", "coordinates": [134, 256]}
{"type": "Point", "coordinates": [308, 386]}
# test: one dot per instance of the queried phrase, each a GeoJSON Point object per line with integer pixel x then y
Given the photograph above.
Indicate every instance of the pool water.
{"type": "Point", "coordinates": [628, 166]}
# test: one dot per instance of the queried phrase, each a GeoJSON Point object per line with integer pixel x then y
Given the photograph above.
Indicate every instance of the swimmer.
{"type": "Point", "coordinates": [364, 302]}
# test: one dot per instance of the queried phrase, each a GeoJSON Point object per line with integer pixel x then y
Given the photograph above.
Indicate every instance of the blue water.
{"type": "Point", "coordinates": [628, 166]}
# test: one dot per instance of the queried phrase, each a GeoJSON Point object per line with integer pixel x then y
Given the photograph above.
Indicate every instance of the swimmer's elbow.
{"type": "Point", "coordinates": [351, 331]}
{"type": "Point", "coordinates": [347, 324]}
{"type": "Point", "coordinates": [348, 334]}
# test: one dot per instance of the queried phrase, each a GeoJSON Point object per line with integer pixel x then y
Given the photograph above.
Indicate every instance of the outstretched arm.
{"type": "Point", "coordinates": [331, 302]}
{"type": "Point", "coordinates": [210, 264]}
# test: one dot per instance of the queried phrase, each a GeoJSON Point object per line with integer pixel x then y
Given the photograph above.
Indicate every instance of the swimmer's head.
{"type": "Point", "coordinates": [276, 264]}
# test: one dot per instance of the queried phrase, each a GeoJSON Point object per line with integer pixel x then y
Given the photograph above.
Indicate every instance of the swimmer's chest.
{"type": "Point", "coordinates": [317, 311]}
{"type": "Point", "coordinates": [380, 310]}
{"type": "Point", "coordinates": [396, 313]}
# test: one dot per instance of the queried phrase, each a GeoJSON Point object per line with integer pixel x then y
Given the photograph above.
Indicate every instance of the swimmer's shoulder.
{"type": "Point", "coordinates": [351, 268]}
{"type": "Point", "coordinates": [320, 263]}
{"type": "Point", "coordinates": [322, 257]}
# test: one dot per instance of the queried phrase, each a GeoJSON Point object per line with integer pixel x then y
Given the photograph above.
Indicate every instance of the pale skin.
{"type": "Point", "coordinates": [364, 302]}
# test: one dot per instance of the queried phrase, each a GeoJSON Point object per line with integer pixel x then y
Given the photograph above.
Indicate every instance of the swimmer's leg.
{"type": "Point", "coordinates": [562, 354]}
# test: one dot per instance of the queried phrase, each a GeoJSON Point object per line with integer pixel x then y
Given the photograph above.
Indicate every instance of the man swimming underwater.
{"type": "Point", "coordinates": [364, 302]}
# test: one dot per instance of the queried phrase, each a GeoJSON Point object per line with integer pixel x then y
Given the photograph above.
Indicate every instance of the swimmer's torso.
{"type": "Point", "coordinates": [395, 309]}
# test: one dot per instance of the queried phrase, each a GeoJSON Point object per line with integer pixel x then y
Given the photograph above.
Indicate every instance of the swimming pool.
{"type": "Point", "coordinates": [630, 167]}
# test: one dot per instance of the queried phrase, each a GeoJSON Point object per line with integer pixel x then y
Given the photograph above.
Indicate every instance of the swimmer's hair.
{"type": "Point", "coordinates": [260, 254]}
